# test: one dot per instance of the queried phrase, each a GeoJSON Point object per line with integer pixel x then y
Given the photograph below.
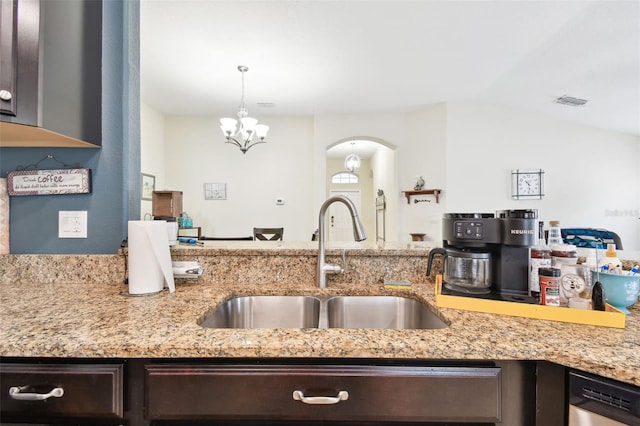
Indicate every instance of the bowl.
{"type": "Point", "coordinates": [620, 290]}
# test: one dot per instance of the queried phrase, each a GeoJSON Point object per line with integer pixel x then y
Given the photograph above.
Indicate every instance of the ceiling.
{"type": "Point", "coordinates": [350, 57]}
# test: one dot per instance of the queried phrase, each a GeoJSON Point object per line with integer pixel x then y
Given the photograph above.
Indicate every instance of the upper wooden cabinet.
{"type": "Point", "coordinates": [50, 73]}
{"type": "Point", "coordinates": [8, 57]}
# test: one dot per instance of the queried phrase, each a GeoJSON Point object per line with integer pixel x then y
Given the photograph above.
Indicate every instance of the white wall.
{"type": "Point", "coordinates": [197, 154]}
{"type": "Point", "coordinates": [589, 173]}
{"type": "Point", "coordinates": [426, 157]}
{"type": "Point", "coordinates": [467, 150]}
{"type": "Point", "coordinates": [384, 128]}
{"type": "Point", "coordinates": [384, 177]}
{"type": "Point", "coordinates": [152, 150]}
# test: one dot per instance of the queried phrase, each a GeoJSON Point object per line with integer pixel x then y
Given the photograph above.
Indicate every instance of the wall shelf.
{"type": "Point", "coordinates": [434, 192]}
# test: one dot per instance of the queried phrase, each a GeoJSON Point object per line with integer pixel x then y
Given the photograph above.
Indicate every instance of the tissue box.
{"type": "Point", "coordinates": [186, 269]}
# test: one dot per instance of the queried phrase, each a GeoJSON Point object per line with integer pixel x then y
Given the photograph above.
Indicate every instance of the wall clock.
{"type": "Point", "coordinates": [527, 184]}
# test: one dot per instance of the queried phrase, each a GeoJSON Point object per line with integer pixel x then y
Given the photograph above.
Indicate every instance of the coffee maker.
{"type": "Point", "coordinates": [487, 255]}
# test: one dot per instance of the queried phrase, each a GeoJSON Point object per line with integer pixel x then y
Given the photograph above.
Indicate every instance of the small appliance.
{"type": "Point", "coordinates": [487, 254]}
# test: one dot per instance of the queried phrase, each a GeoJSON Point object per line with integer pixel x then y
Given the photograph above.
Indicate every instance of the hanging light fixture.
{"type": "Point", "coordinates": [352, 161]}
{"type": "Point", "coordinates": [249, 133]}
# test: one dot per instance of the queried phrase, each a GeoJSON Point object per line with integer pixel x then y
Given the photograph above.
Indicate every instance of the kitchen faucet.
{"type": "Point", "coordinates": [359, 234]}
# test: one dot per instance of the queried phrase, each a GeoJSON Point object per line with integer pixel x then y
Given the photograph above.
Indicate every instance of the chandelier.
{"type": "Point", "coordinates": [352, 161]}
{"type": "Point", "coordinates": [249, 133]}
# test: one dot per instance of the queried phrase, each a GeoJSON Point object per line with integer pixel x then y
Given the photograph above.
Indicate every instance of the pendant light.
{"type": "Point", "coordinates": [249, 133]}
{"type": "Point", "coordinates": [352, 161]}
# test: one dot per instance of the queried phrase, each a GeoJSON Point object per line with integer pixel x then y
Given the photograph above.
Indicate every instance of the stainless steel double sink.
{"type": "Point", "coordinates": [378, 312]}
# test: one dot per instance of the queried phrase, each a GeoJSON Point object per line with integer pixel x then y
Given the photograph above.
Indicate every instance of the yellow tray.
{"type": "Point", "coordinates": [611, 317]}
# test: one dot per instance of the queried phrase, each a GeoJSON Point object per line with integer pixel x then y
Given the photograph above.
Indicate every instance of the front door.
{"type": "Point", "coordinates": [340, 224]}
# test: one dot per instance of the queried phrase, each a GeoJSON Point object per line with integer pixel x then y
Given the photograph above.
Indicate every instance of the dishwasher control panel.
{"type": "Point", "coordinates": [610, 401]}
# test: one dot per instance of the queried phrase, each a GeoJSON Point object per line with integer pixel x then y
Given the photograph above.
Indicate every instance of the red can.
{"type": "Point", "coordinates": [549, 286]}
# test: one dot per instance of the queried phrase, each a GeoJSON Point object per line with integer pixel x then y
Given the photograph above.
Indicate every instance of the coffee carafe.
{"type": "Point", "coordinates": [464, 270]}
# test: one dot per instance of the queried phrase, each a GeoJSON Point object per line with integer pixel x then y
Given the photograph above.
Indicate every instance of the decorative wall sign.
{"type": "Point", "coordinates": [49, 182]}
{"type": "Point", "coordinates": [148, 186]}
{"type": "Point", "coordinates": [215, 191]}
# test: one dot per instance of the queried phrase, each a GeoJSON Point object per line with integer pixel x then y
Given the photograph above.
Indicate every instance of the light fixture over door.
{"type": "Point", "coordinates": [352, 161]}
{"type": "Point", "coordinates": [249, 133]}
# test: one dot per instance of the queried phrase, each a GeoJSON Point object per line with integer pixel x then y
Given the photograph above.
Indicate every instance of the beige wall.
{"type": "Point", "coordinates": [465, 149]}
{"type": "Point", "coordinates": [152, 150]}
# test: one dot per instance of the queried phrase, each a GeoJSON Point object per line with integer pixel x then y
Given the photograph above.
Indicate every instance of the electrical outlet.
{"type": "Point", "coordinates": [72, 224]}
{"type": "Point", "coordinates": [280, 201]}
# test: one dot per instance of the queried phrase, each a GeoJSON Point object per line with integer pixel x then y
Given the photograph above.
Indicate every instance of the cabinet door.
{"type": "Point", "coordinates": [8, 56]}
{"type": "Point", "coordinates": [328, 393]}
{"type": "Point", "coordinates": [50, 73]}
{"type": "Point", "coordinates": [19, 33]}
{"type": "Point", "coordinates": [46, 392]}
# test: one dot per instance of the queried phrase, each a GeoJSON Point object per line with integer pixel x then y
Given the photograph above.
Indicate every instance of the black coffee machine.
{"type": "Point", "coordinates": [506, 237]}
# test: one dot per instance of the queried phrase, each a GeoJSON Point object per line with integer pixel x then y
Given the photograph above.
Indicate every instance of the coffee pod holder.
{"type": "Point", "coordinates": [610, 317]}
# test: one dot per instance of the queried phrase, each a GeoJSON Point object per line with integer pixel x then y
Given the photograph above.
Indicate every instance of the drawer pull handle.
{"type": "Point", "coordinates": [15, 393]}
{"type": "Point", "coordinates": [323, 400]}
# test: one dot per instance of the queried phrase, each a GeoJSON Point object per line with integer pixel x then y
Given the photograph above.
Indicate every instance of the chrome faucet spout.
{"type": "Point", "coordinates": [359, 234]}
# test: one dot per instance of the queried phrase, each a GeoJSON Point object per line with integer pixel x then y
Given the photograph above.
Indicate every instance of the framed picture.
{"type": "Point", "coordinates": [148, 186]}
{"type": "Point", "coordinates": [215, 191]}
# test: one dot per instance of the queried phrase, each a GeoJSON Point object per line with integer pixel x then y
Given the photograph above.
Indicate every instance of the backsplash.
{"type": "Point", "coordinates": [47, 269]}
{"type": "Point", "coordinates": [242, 266]}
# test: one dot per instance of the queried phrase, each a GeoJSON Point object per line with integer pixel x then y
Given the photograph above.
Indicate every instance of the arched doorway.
{"type": "Point", "coordinates": [376, 174]}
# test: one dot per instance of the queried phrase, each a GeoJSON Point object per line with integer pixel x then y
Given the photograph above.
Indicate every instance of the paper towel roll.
{"type": "Point", "coordinates": [149, 262]}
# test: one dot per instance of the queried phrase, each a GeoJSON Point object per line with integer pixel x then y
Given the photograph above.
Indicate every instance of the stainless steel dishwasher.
{"type": "Point", "coordinates": [595, 401]}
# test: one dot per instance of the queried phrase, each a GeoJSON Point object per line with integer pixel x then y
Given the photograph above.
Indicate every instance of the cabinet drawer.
{"type": "Point", "coordinates": [353, 393]}
{"type": "Point", "coordinates": [82, 391]}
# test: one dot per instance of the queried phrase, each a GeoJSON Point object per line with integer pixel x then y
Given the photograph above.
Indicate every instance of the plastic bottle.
{"type": "Point", "coordinates": [555, 233]}
{"type": "Point", "coordinates": [550, 286]}
{"type": "Point", "coordinates": [185, 220]}
{"type": "Point", "coordinates": [611, 261]}
{"type": "Point", "coordinates": [540, 257]}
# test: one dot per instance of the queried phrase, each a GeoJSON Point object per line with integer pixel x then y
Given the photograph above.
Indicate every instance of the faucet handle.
{"type": "Point", "coordinates": [337, 269]}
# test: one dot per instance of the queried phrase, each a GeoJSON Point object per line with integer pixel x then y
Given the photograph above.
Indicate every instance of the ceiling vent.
{"type": "Point", "coordinates": [568, 100]}
{"type": "Point", "coordinates": [266, 104]}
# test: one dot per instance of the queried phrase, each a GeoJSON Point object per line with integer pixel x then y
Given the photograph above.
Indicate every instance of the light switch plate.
{"type": "Point", "coordinates": [72, 224]}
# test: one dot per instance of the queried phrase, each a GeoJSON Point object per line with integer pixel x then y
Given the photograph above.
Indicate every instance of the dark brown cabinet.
{"type": "Point", "coordinates": [8, 56]}
{"type": "Point", "coordinates": [50, 73]}
{"type": "Point", "coordinates": [52, 393]}
{"type": "Point", "coordinates": [329, 393]}
{"type": "Point", "coordinates": [225, 391]}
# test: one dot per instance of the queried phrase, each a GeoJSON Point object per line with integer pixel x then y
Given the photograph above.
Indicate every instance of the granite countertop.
{"type": "Point", "coordinates": [101, 320]}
